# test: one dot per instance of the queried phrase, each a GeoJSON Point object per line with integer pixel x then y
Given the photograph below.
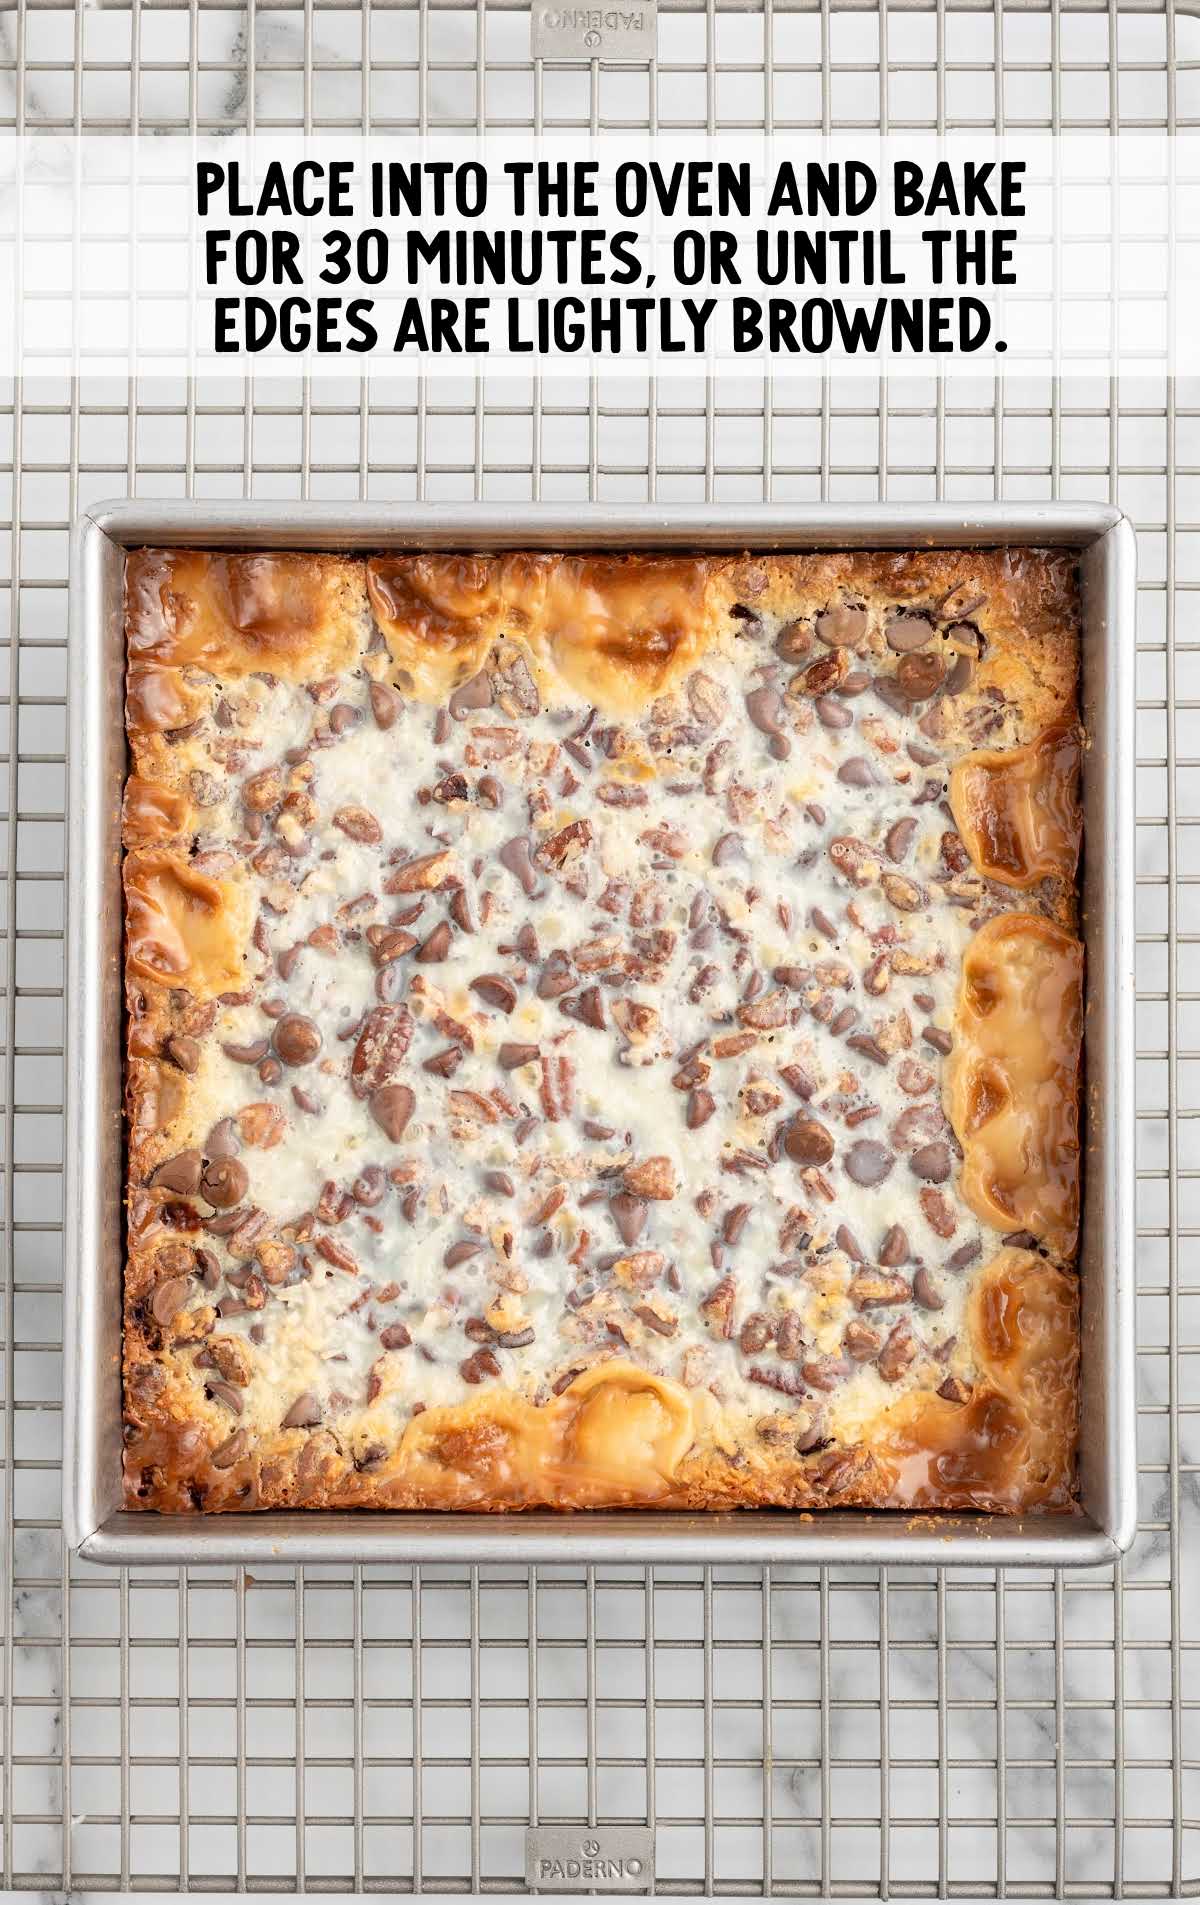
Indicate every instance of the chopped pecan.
{"type": "Point", "coordinates": [558, 1087]}
{"type": "Point", "coordinates": [358, 823]}
{"type": "Point", "coordinates": [939, 1213]}
{"type": "Point", "coordinates": [902, 893]}
{"type": "Point", "coordinates": [952, 1390]}
{"type": "Point", "coordinates": [717, 1308]}
{"type": "Point", "coordinates": [663, 1324]}
{"type": "Point", "coordinates": [733, 1044]}
{"type": "Point", "coordinates": [379, 1052]}
{"type": "Point", "coordinates": [855, 861]}
{"type": "Point", "coordinates": [870, 1289]}
{"type": "Point", "coordinates": [860, 1341]}
{"type": "Point", "coordinates": [652, 1177]}
{"type": "Point", "coordinates": [421, 875]}
{"type": "Point", "coordinates": [564, 846]}
{"type": "Point", "coordinates": [898, 1351]}
{"type": "Point", "coordinates": [754, 1334]}
{"type": "Point", "coordinates": [766, 1014]}
{"type": "Point", "coordinates": [822, 675]}
{"type": "Point", "coordinates": [337, 1254]}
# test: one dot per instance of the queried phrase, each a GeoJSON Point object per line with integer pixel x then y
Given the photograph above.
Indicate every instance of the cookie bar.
{"type": "Point", "coordinates": [602, 1030]}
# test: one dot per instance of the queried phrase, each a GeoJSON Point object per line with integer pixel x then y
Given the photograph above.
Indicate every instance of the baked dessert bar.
{"type": "Point", "coordinates": [602, 1031]}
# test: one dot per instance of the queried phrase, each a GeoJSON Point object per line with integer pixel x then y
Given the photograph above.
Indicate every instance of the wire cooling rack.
{"type": "Point", "coordinates": [796, 1731]}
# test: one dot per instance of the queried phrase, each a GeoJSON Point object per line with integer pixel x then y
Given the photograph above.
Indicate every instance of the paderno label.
{"type": "Point", "coordinates": [590, 33]}
{"type": "Point", "coordinates": [590, 1858]}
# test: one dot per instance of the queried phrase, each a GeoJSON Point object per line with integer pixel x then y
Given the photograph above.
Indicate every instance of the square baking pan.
{"type": "Point", "coordinates": [95, 1522]}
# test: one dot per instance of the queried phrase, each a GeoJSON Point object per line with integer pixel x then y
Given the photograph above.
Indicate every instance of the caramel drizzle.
{"type": "Point", "coordinates": [1012, 1079]}
{"type": "Point", "coordinates": [1017, 809]}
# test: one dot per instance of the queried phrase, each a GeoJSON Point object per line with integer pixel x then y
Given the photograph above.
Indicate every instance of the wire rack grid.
{"type": "Point", "coordinates": [795, 1731]}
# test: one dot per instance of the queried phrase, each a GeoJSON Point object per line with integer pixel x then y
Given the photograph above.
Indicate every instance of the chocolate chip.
{"type": "Point", "coordinates": [395, 1336]}
{"type": "Point", "coordinates": [247, 1054]}
{"type": "Point", "coordinates": [964, 1255]}
{"type": "Point", "coordinates": [867, 1162]}
{"type": "Point", "coordinates": [471, 696]}
{"type": "Point", "coordinates": [392, 1107]}
{"type": "Point", "coordinates": [369, 1187]}
{"type": "Point", "coordinates": [900, 837]}
{"type": "Point", "coordinates": [185, 1052]}
{"type": "Point", "coordinates": [856, 772]}
{"type": "Point", "coordinates": [894, 1248]}
{"type": "Point", "coordinates": [435, 947]}
{"type": "Point", "coordinates": [556, 977]}
{"type": "Point", "coordinates": [931, 1162]}
{"type": "Point", "coordinates": [494, 989]}
{"type": "Point", "coordinates": [920, 676]}
{"type": "Point", "coordinates": [305, 1413]}
{"type": "Point", "coordinates": [297, 1039]}
{"type": "Point", "coordinates": [461, 1253]}
{"type": "Point", "coordinates": [223, 1182]}
{"type": "Point", "coordinates": [511, 1055]}
{"type": "Point", "coordinates": [942, 1042]}
{"type": "Point", "coordinates": [842, 626]}
{"type": "Point", "coordinates": [386, 704]}
{"type": "Point", "coordinates": [500, 1182]}
{"type": "Point", "coordinates": [831, 713]}
{"type": "Point", "coordinates": [169, 1298]}
{"type": "Point", "coordinates": [180, 1174]}
{"type": "Point", "coordinates": [729, 847]}
{"type": "Point", "coordinates": [226, 1393]}
{"type": "Point", "coordinates": [629, 1215]}
{"type": "Point", "coordinates": [208, 1268]}
{"type": "Point", "coordinates": [918, 1125]}
{"type": "Point", "coordinates": [231, 1450]}
{"type": "Point", "coordinates": [342, 717]}
{"type": "Point", "coordinates": [957, 682]}
{"type": "Point", "coordinates": [848, 1243]}
{"type": "Point", "coordinates": [793, 641]}
{"type": "Point", "coordinates": [460, 910]}
{"type": "Point", "coordinates": [924, 1293]}
{"type": "Point", "coordinates": [765, 708]}
{"type": "Point", "coordinates": [700, 1107]}
{"type": "Point", "coordinates": [514, 855]}
{"type": "Point", "coordinates": [892, 694]}
{"type": "Point", "coordinates": [445, 1063]}
{"type": "Point", "coordinates": [907, 631]}
{"type": "Point", "coordinates": [807, 1141]}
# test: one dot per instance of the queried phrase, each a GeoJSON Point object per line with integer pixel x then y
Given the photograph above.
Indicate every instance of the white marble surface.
{"type": "Point", "coordinates": [116, 1682]}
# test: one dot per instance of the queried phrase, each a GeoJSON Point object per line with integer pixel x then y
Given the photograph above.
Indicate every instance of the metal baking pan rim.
{"type": "Point", "coordinates": [96, 1524]}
